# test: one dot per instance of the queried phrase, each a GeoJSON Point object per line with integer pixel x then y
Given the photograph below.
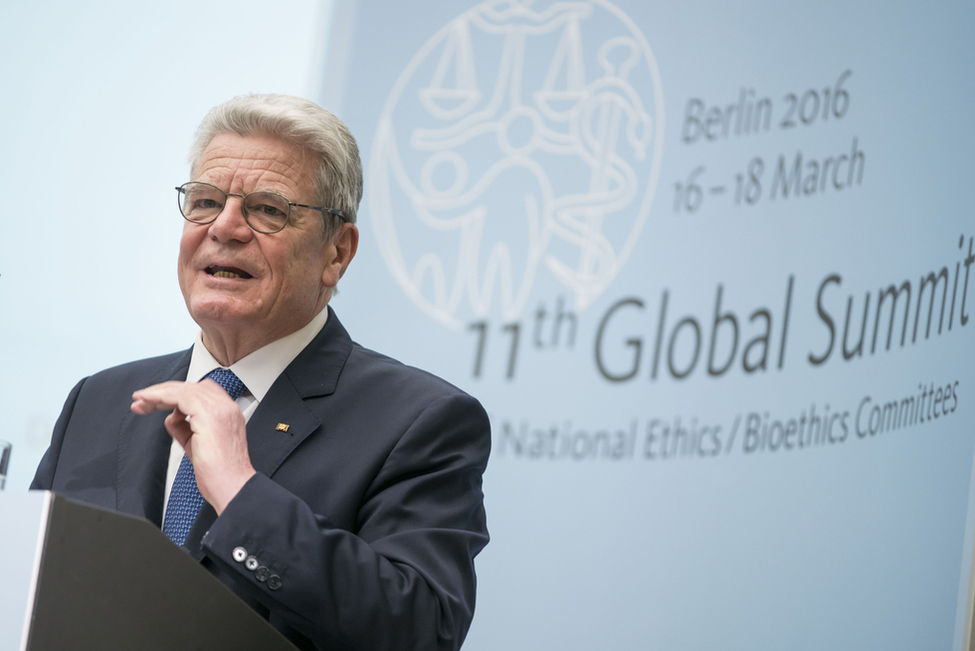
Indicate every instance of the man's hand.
{"type": "Point", "coordinates": [211, 429]}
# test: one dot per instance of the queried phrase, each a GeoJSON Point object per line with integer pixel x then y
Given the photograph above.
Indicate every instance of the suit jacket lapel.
{"type": "Point", "coordinates": [143, 451]}
{"type": "Point", "coordinates": [282, 420]}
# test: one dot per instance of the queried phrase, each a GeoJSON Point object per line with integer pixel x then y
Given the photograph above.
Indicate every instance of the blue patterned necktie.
{"type": "Point", "coordinates": [185, 499]}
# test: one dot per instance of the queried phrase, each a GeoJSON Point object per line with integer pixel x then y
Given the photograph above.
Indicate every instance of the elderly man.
{"type": "Point", "coordinates": [335, 490]}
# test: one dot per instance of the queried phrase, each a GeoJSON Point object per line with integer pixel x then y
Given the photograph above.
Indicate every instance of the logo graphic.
{"type": "Point", "coordinates": [520, 145]}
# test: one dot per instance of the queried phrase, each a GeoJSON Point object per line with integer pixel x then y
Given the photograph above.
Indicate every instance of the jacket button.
{"type": "Point", "coordinates": [239, 554]}
{"type": "Point", "coordinates": [273, 582]}
{"type": "Point", "coordinates": [262, 574]}
{"type": "Point", "coordinates": [251, 563]}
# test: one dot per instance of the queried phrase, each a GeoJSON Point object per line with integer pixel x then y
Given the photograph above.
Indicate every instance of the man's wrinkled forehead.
{"type": "Point", "coordinates": [255, 159]}
{"type": "Point", "coordinates": [298, 156]}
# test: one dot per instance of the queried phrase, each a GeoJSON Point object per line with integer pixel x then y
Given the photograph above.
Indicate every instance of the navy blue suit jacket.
{"type": "Point", "coordinates": [369, 507]}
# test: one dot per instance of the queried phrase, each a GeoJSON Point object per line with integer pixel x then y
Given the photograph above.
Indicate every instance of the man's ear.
{"type": "Point", "coordinates": [343, 243]}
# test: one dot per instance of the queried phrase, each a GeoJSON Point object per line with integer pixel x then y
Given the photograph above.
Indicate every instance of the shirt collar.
{"type": "Point", "coordinates": [260, 369]}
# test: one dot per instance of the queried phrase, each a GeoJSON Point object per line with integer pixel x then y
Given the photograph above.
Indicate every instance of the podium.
{"type": "Point", "coordinates": [80, 577]}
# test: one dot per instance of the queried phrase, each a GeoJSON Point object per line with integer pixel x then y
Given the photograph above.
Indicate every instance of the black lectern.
{"type": "Point", "coordinates": [79, 577]}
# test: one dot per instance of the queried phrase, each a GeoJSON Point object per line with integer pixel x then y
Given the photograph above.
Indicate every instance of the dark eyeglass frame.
{"type": "Point", "coordinates": [181, 192]}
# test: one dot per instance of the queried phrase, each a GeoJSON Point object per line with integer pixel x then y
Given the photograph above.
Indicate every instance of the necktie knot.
{"type": "Point", "coordinates": [228, 380]}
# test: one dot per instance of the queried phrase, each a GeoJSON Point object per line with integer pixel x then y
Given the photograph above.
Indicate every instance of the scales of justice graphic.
{"type": "Point", "coordinates": [519, 140]}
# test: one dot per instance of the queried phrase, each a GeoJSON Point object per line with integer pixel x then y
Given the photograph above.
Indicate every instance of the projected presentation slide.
{"type": "Point", "coordinates": [709, 269]}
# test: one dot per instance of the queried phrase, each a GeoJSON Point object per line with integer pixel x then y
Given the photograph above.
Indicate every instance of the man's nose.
{"type": "Point", "coordinates": [230, 224]}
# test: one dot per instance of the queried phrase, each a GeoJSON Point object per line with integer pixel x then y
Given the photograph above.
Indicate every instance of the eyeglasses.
{"type": "Point", "coordinates": [265, 212]}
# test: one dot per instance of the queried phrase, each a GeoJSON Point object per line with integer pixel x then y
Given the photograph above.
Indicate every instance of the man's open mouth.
{"type": "Point", "coordinates": [226, 272]}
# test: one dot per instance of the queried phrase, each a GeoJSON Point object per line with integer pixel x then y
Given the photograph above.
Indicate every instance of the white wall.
{"type": "Point", "coordinates": [100, 101]}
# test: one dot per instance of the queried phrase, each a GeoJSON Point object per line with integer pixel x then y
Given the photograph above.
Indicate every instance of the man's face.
{"type": "Point", "coordinates": [247, 286]}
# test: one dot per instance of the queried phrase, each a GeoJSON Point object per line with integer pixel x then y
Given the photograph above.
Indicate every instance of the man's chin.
{"type": "Point", "coordinates": [223, 312]}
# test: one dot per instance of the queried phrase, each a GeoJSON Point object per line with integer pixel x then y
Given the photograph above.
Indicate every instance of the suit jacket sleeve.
{"type": "Point", "coordinates": [400, 573]}
{"type": "Point", "coordinates": [44, 476]}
